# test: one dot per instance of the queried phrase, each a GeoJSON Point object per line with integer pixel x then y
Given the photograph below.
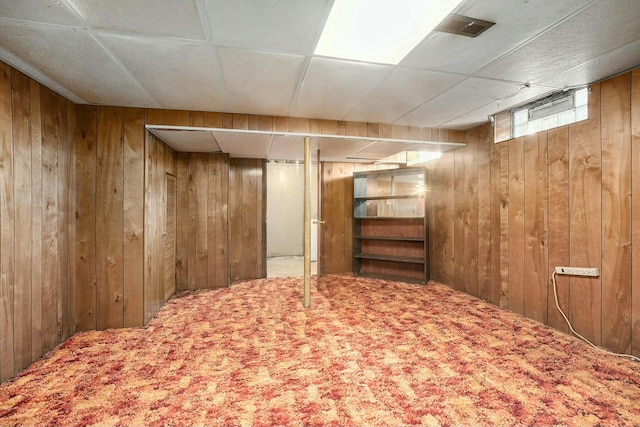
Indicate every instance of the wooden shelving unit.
{"type": "Point", "coordinates": [390, 229]}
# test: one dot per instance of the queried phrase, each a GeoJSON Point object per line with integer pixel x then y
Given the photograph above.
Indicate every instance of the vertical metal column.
{"type": "Point", "coordinates": [307, 221]}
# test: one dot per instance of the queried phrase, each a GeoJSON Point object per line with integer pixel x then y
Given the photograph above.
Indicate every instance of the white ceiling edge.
{"type": "Point", "coordinates": [446, 145]}
{"type": "Point", "coordinates": [38, 76]}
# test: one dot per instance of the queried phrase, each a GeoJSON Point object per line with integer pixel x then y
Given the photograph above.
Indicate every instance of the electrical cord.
{"type": "Point", "coordinates": [555, 295]}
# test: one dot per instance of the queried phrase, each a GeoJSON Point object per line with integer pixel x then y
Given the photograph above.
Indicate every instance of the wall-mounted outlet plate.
{"type": "Point", "coordinates": [578, 271]}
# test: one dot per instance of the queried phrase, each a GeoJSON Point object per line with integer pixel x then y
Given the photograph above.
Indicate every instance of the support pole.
{"type": "Point", "coordinates": [307, 222]}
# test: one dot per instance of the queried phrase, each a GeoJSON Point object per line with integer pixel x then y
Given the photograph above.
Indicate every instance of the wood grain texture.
{"type": "Point", "coordinates": [21, 118]}
{"type": "Point", "coordinates": [635, 211]}
{"type": "Point", "coordinates": [459, 217]}
{"type": "Point", "coordinates": [558, 220]}
{"type": "Point", "coordinates": [616, 213]}
{"type": "Point", "coordinates": [63, 217]}
{"type": "Point", "coordinates": [494, 218]}
{"type": "Point", "coordinates": [192, 202]}
{"type": "Point", "coordinates": [7, 227]}
{"type": "Point", "coordinates": [182, 228]}
{"type": "Point", "coordinates": [36, 223]}
{"type": "Point", "coordinates": [36, 191]}
{"type": "Point", "coordinates": [471, 252]}
{"type": "Point", "coordinates": [50, 233]}
{"type": "Point", "coordinates": [485, 211]}
{"type": "Point", "coordinates": [218, 222]}
{"type": "Point", "coordinates": [246, 216]}
{"type": "Point", "coordinates": [133, 217]}
{"type": "Point", "coordinates": [201, 178]}
{"type": "Point", "coordinates": [535, 227]}
{"type": "Point", "coordinates": [516, 226]}
{"type": "Point", "coordinates": [109, 217]}
{"type": "Point", "coordinates": [86, 292]}
{"type": "Point", "coordinates": [585, 219]}
{"type": "Point", "coordinates": [504, 188]}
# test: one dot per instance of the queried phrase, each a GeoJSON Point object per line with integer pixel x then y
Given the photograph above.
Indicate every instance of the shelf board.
{"type": "Point", "coordinates": [394, 258]}
{"type": "Point", "coordinates": [389, 197]}
{"type": "Point", "coordinates": [405, 279]}
{"type": "Point", "coordinates": [389, 217]}
{"type": "Point", "coordinates": [392, 238]}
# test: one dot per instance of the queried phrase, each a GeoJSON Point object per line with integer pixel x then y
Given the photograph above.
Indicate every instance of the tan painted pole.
{"type": "Point", "coordinates": [307, 222]}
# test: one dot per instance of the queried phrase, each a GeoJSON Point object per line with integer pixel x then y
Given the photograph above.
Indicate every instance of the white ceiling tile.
{"type": "Point", "coordinates": [332, 87]}
{"type": "Point", "coordinates": [337, 149]}
{"type": "Point", "coordinates": [380, 150]}
{"type": "Point", "coordinates": [399, 93]}
{"type": "Point", "coordinates": [516, 22]}
{"type": "Point", "coordinates": [291, 26]}
{"type": "Point", "coordinates": [193, 141]}
{"type": "Point", "coordinates": [73, 58]}
{"type": "Point", "coordinates": [260, 82]}
{"type": "Point", "coordinates": [573, 42]}
{"type": "Point", "coordinates": [244, 145]}
{"type": "Point", "coordinates": [467, 96]}
{"type": "Point", "coordinates": [49, 11]}
{"type": "Point", "coordinates": [601, 67]}
{"type": "Point", "coordinates": [179, 75]}
{"type": "Point", "coordinates": [157, 17]}
{"type": "Point", "coordinates": [480, 115]}
{"type": "Point", "coordinates": [288, 147]}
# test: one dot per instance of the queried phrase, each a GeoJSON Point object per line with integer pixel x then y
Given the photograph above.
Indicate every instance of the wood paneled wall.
{"type": "Point", "coordinates": [504, 215]}
{"type": "Point", "coordinates": [37, 178]}
{"type": "Point", "coordinates": [202, 260]}
{"type": "Point", "coordinates": [247, 219]}
{"type": "Point", "coordinates": [119, 225]}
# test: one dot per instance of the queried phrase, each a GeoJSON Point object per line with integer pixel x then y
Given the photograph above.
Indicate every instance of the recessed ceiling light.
{"type": "Point", "coordinates": [380, 31]}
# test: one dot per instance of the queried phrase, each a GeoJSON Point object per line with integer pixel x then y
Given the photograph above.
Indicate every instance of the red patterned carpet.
{"type": "Point", "coordinates": [368, 352]}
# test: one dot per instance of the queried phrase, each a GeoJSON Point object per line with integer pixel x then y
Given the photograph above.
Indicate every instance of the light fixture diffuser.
{"type": "Point", "coordinates": [380, 31]}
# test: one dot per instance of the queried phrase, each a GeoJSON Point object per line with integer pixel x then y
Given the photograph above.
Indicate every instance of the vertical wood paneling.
{"type": "Point", "coordinates": [109, 217]}
{"type": "Point", "coordinates": [516, 226]}
{"type": "Point", "coordinates": [201, 174]}
{"type": "Point", "coordinates": [7, 227]}
{"type": "Point", "coordinates": [535, 227]}
{"type": "Point", "coordinates": [459, 210]}
{"type": "Point", "coordinates": [182, 225]}
{"type": "Point", "coordinates": [86, 292]}
{"type": "Point", "coordinates": [71, 209]}
{"type": "Point", "coordinates": [484, 213]}
{"type": "Point", "coordinates": [191, 221]}
{"type": "Point", "coordinates": [565, 197]}
{"type": "Point", "coordinates": [470, 242]}
{"type": "Point", "coordinates": [495, 230]}
{"type": "Point", "coordinates": [616, 213]}
{"type": "Point", "coordinates": [504, 225]}
{"type": "Point", "coordinates": [36, 224]}
{"type": "Point", "coordinates": [433, 221]}
{"type": "Point", "coordinates": [585, 185]}
{"type": "Point", "coordinates": [558, 220]}
{"type": "Point", "coordinates": [635, 211]}
{"type": "Point", "coordinates": [446, 217]}
{"type": "Point", "coordinates": [50, 224]}
{"type": "Point", "coordinates": [64, 290]}
{"type": "Point", "coordinates": [133, 219]}
{"type": "Point", "coordinates": [246, 214]}
{"type": "Point", "coordinates": [36, 221]}
{"type": "Point", "coordinates": [22, 196]}
{"type": "Point", "coordinates": [217, 220]}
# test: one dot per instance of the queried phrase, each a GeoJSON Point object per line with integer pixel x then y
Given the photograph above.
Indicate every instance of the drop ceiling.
{"type": "Point", "coordinates": [256, 57]}
{"type": "Point", "coordinates": [289, 145]}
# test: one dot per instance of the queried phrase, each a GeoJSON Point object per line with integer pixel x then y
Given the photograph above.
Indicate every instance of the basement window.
{"type": "Point", "coordinates": [556, 110]}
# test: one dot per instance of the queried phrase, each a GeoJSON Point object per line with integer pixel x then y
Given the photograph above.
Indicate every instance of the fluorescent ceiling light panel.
{"type": "Point", "coordinates": [380, 31]}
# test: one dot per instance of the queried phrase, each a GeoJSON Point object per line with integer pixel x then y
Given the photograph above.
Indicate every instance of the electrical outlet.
{"type": "Point", "coordinates": [578, 271]}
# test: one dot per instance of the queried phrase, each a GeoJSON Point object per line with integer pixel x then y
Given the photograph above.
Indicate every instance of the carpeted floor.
{"type": "Point", "coordinates": [368, 352]}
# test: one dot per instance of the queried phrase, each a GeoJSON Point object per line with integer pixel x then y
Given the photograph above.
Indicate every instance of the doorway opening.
{"type": "Point", "coordinates": [285, 225]}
